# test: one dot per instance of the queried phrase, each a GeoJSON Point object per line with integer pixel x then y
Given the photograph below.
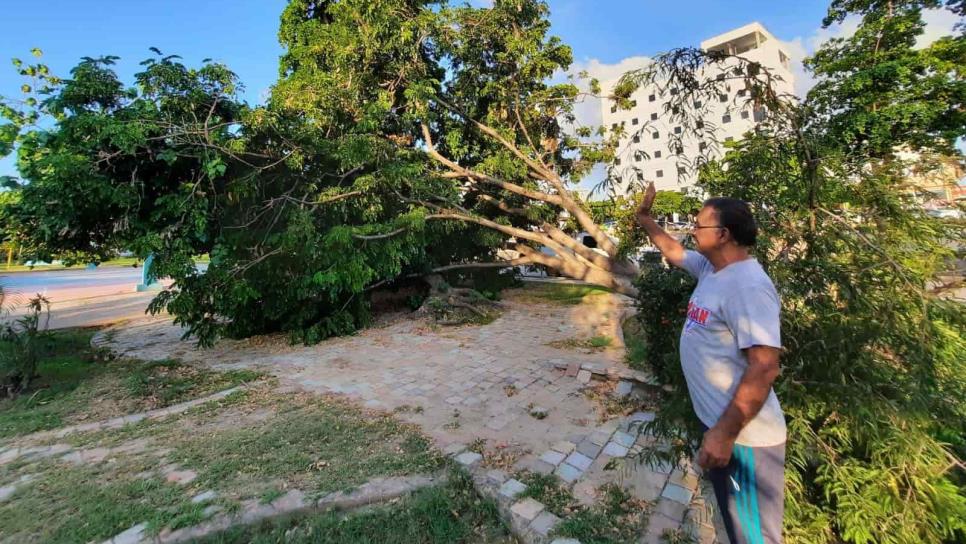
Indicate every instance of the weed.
{"type": "Point", "coordinates": [618, 518]}
{"type": "Point", "coordinates": [548, 489]}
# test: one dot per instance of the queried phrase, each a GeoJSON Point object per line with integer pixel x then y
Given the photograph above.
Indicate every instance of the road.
{"type": "Point", "coordinates": [79, 298]}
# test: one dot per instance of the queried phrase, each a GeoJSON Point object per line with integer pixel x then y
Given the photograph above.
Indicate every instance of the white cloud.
{"type": "Point", "coordinates": [587, 111]}
{"type": "Point", "coordinates": [939, 23]}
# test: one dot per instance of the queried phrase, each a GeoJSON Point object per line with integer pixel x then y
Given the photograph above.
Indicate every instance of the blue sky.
{"type": "Point", "coordinates": [242, 33]}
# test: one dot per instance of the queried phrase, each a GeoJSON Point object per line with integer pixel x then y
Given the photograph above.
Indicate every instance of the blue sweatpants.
{"type": "Point", "coordinates": [750, 492]}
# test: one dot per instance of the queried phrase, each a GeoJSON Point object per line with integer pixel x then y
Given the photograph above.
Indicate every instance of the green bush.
{"type": "Point", "coordinates": [21, 345]}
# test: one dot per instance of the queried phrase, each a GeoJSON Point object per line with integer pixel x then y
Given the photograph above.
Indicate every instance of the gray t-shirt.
{"type": "Point", "coordinates": [730, 310]}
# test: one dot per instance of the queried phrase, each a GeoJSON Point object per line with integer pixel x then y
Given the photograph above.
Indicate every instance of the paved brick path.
{"type": "Point", "coordinates": [454, 382]}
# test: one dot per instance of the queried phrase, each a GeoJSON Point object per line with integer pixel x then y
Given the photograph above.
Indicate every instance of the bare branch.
{"type": "Point", "coordinates": [379, 236]}
{"type": "Point", "coordinates": [459, 171]}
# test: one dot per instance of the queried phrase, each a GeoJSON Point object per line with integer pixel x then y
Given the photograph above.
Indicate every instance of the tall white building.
{"type": "Point", "coordinates": [654, 149]}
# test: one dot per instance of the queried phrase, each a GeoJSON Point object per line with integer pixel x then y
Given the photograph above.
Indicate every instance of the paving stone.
{"type": "Point", "coordinates": [600, 437]}
{"type": "Point", "coordinates": [568, 473]}
{"type": "Point", "coordinates": [642, 417]}
{"type": "Point", "coordinates": [646, 484]}
{"type": "Point", "coordinates": [496, 476]}
{"type": "Point", "coordinates": [614, 449]}
{"type": "Point", "coordinates": [664, 467]}
{"type": "Point", "coordinates": [7, 491]}
{"type": "Point", "coordinates": [579, 460]}
{"type": "Point", "coordinates": [583, 376]}
{"type": "Point", "coordinates": [684, 479]}
{"type": "Point", "coordinates": [563, 447]}
{"type": "Point", "coordinates": [527, 509]}
{"type": "Point", "coordinates": [212, 510]}
{"type": "Point", "coordinates": [623, 439]}
{"type": "Point", "coordinates": [572, 370]}
{"type": "Point", "coordinates": [544, 523]}
{"type": "Point", "coordinates": [181, 477]}
{"type": "Point", "coordinates": [623, 389]}
{"type": "Point", "coordinates": [291, 501]}
{"type": "Point", "coordinates": [552, 457]}
{"type": "Point", "coordinates": [589, 449]}
{"type": "Point", "coordinates": [454, 448]}
{"type": "Point", "coordinates": [672, 509]}
{"type": "Point", "coordinates": [9, 455]}
{"type": "Point", "coordinates": [204, 497]}
{"type": "Point", "coordinates": [468, 458]}
{"type": "Point", "coordinates": [533, 464]}
{"type": "Point", "coordinates": [585, 491]}
{"type": "Point", "coordinates": [130, 536]}
{"type": "Point", "coordinates": [677, 493]}
{"type": "Point", "coordinates": [511, 488]}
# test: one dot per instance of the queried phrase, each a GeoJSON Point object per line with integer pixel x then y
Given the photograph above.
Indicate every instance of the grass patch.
{"type": "Point", "coordinates": [249, 448]}
{"type": "Point", "coordinates": [617, 519]}
{"type": "Point", "coordinates": [82, 504]}
{"type": "Point", "coordinates": [561, 293]}
{"type": "Point", "coordinates": [316, 444]}
{"type": "Point", "coordinates": [548, 489]}
{"type": "Point", "coordinates": [76, 383]}
{"type": "Point", "coordinates": [596, 343]}
{"type": "Point", "coordinates": [449, 514]}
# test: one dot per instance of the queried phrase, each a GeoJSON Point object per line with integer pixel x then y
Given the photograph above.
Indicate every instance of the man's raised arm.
{"type": "Point", "coordinates": [672, 250]}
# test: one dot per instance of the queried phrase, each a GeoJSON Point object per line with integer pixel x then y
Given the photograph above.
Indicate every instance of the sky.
{"type": "Point", "coordinates": [607, 36]}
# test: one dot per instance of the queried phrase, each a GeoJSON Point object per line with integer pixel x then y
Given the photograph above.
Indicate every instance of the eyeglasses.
{"type": "Point", "coordinates": [696, 226]}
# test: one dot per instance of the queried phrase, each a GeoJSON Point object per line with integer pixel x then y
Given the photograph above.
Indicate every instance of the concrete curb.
{"type": "Point", "coordinates": [376, 491]}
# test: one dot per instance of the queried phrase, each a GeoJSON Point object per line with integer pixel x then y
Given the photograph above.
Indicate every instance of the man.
{"type": "Point", "coordinates": [729, 354]}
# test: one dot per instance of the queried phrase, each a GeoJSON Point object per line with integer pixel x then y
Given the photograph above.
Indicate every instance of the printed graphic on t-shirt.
{"type": "Point", "coordinates": [697, 317]}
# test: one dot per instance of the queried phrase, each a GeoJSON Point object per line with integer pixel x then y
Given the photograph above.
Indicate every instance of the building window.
{"type": "Point", "coordinates": [613, 109]}
{"type": "Point", "coordinates": [653, 117]}
{"type": "Point", "coordinates": [651, 98]}
{"type": "Point", "coordinates": [634, 121]}
{"type": "Point", "coordinates": [638, 156]}
{"type": "Point", "coordinates": [697, 103]}
{"type": "Point", "coordinates": [681, 171]}
{"type": "Point", "coordinates": [613, 126]}
{"type": "Point", "coordinates": [637, 138]}
{"type": "Point", "coordinates": [657, 154]}
{"type": "Point", "coordinates": [675, 110]}
{"type": "Point", "coordinates": [660, 173]}
{"type": "Point", "coordinates": [729, 139]}
{"type": "Point", "coordinates": [640, 176]}
{"type": "Point", "coordinates": [656, 135]}
{"type": "Point", "coordinates": [678, 150]}
{"type": "Point", "coordinates": [633, 103]}
{"type": "Point", "coordinates": [617, 162]}
{"type": "Point", "coordinates": [702, 146]}
{"type": "Point", "coordinates": [699, 124]}
{"type": "Point", "coordinates": [677, 130]}
{"type": "Point", "coordinates": [674, 91]}
{"type": "Point", "coordinates": [760, 115]}
{"type": "Point", "coordinates": [744, 115]}
{"type": "Point", "coordinates": [741, 92]}
{"type": "Point", "coordinates": [720, 77]}
{"type": "Point", "coordinates": [722, 98]}
{"type": "Point", "coordinates": [726, 118]}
